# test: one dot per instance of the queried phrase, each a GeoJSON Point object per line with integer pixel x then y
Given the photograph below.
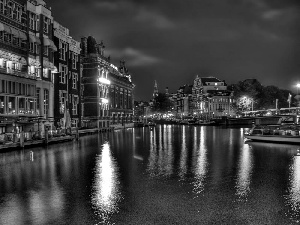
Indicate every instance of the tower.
{"type": "Point", "coordinates": [155, 92]}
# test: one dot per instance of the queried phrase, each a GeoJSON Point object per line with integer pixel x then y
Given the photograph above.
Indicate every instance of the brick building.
{"type": "Point", "coordinates": [95, 84]}
{"type": "Point", "coordinates": [67, 107]}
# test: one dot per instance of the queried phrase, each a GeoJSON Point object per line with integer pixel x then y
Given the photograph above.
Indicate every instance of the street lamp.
{"type": "Point", "coordinates": [298, 86]}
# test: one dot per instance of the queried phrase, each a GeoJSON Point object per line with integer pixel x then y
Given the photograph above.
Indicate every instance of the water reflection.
{"type": "Point", "coordinates": [201, 167]}
{"type": "Point", "coordinates": [183, 155]}
{"type": "Point", "coordinates": [106, 187]}
{"type": "Point", "coordinates": [245, 165]}
{"type": "Point", "coordinates": [293, 197]}
{"type": "Point", "coordinates": [162, 154]}
{"type": "Point", "coordinates": [36, 180]}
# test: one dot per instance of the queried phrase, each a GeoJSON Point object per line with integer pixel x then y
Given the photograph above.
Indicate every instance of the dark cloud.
{"type": "Point", "coordinates": [173, 40]}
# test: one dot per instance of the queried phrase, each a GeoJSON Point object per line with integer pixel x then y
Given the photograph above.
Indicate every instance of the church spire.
{"type": "Point", "coordinates": [155, 93]}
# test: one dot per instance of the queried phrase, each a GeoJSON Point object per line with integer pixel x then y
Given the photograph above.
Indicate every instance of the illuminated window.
{"type": "Point", "coordinates": [46, 103]}
{"type": "Point", "coordinates": [75, 104]}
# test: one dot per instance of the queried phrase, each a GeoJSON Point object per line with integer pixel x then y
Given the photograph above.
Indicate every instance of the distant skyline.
{"type": "Point", "coordinates": [172, 41]}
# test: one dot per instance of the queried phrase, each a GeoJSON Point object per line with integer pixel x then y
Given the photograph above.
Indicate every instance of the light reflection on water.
{"type": "Point", "coordinates": [160, 161]}
{"type": "Point", "coordinates": [202, 164]}
{"type": "Point", "coordinates": [244, 172]}
{"type": "Point", "coordinates": [202, 175]}
{"type": "Point", "coordinates": [106, 187]}
{"type": "Point", "coordinates": [293, 198]}
{"type": "Point", "coordinates": [183, 155]}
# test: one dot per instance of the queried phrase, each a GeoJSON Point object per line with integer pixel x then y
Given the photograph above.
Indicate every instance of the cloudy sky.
{"type": "Point", "coordinates": [172, 41]}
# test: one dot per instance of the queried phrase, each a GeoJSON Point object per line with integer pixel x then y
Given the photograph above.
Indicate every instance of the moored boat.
{"type": "Point", "coordinates": [275, 133]}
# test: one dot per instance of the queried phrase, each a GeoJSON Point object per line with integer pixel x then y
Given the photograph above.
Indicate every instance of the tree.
{"type": "Point", "coordinates": [162, 103]}
{"type": "Point", "coordinates": [264, 97]}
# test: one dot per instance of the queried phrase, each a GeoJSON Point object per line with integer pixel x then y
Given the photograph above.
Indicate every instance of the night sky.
{"type": "Point", "coordinates": [172, 41]}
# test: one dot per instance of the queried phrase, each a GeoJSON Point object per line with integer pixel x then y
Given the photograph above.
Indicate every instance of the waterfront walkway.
{"type": "Point", "coordinates": [7, 145]}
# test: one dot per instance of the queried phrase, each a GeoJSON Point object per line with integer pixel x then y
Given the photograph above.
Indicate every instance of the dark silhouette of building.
{"type": "Point", "coordinates": [67, 107]}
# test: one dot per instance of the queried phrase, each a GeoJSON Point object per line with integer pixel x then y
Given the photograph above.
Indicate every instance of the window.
{"type": "Point", "coordinates": [32, 47]}
{"type": "Point", "coordinates": [74, 80]}
{"type": "Point", "coordinates": [63, 74]}
{"type": "Point", "coordinates": [14, 12]}
{"type": "Point", "coordinates": [75, 104]}
{"type": "Point", "coordinates": [46, 103]}
{"type": "Point", "coordinates": [38, 99]}
{"type": "Point", "coordinates": [15, 41]}
{"type": "Point", "coordinates": [62, 101]}
{"type": "Point", "coordinates": [17, 66]}
{"type": "Point", "coordinates": [32, 21]}
{"type": "Point", "coordinates": [9, 8]}
{"type": "Point", "coordinates": [1, 104]}
{"type": "Point", "coordinates": [46, 50]}
{"type": "Point", "coordinates": [2, 3]}
{"type": "Point", "coordinates": [62, 50]}
{"type": "Point", "coordinates": [7, 37]}
{"type": "Point", "coordinates": [38, 72]}
{"type": "Point", "coordinates": [21, 105]}
{"type": "Point", "coordinates": [11, 105]}
{"type": "Point", "coordinates": [74, 60]}
{"type": "Point", "coordinates": [46, 72]}
{"type": "Point", "coordinates": [46, 25]}
{"type": "Point", "coordinates": [74, 122]}
{"type": "Point", "coordinates": [18, 13]}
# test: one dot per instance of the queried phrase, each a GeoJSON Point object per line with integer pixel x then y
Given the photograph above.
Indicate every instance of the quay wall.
{"type": "Point", "coordinates": [270, 120]}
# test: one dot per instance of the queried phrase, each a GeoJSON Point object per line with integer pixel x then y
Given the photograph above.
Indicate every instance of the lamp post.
{"type": "Point", "coordinates": [298, 86]}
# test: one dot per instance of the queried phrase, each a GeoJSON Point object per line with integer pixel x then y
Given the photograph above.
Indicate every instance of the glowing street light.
{"type": "Point", "coordinates": [298, 86]}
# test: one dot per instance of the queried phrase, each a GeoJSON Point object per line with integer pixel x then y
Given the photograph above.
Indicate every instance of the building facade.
{"type": "Point", "coordinates": [67, 107]}
{"type": "Point", "coordinates": [18, 102]}
{"type": "Point", "coordinates": [41, 60]}
{"type": "Point", "coordinates": [211, 98]}
{"type": "Point", "coordinates": [26, 64]}
{"type": "Point", "coordinates": [121, 96]}
{"type": "Point", "coordinates": [95, 84]}
{"type": "Point", "coordinates": [184, 105]}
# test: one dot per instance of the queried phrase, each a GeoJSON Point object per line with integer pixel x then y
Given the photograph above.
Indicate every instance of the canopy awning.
{"type": "Point", "coordinates": [4, 27]}
{"type": "Point", "coordinates": [53, 46]}
{"type": "Point", "coordinates": [22, 36]}
{"type": "Point", "coordinates": [46, 42]}
{"type": "Point", "coordinates": [33, 38]}
{"type": "Point", "coordinates": [15, 32]}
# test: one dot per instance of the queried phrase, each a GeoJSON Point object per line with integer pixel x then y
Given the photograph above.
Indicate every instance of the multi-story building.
{"type": "Point", "coordinates": [26, 65]}
{"type": "Point", "coordinates": [220, 103]}
{"type": "Point", "coordinates": [41, 59]}
{"type": "Point", "coordinates": [67, 107]}
{"type": "Point", "coordinates": [17, 86]}
{"type": "Point", "coordinates": [211, 98]}
{"type": "Point", "coordinates": [107, 98]}
{"type": "Point", "coordinates": [184, 104]}
{"type": "Point", "coordinates": [121, 96]}
{"type": "Point", "coordinates": [95, 84]}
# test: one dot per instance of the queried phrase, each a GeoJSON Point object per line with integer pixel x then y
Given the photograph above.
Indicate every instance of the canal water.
{"type": "Point", "coordinates": [171, 174]}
